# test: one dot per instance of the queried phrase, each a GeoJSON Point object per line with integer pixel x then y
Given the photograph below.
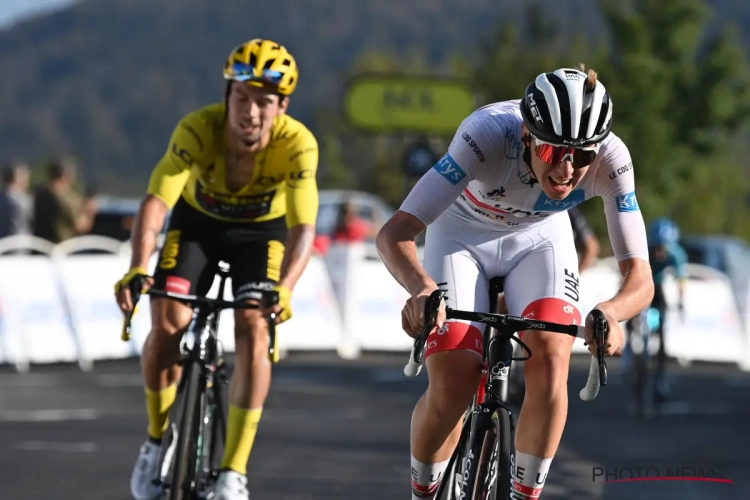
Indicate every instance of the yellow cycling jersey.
{"type": "Point", "coordinates": [283, 181]}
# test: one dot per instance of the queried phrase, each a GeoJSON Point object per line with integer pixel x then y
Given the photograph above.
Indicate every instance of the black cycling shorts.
{"type": "Point", "coordinates": [195, 243]}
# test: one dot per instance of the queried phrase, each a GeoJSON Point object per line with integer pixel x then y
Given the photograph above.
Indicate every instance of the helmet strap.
{"type": "Point", "coordinates": [526, 141]}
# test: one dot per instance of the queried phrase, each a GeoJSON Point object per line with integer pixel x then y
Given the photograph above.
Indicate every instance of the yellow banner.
{"type": "Point", "coordinates": [395, 103]}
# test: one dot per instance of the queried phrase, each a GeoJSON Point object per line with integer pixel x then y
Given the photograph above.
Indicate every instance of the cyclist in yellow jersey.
{"type": "Point", "coordinates": [239, 177]}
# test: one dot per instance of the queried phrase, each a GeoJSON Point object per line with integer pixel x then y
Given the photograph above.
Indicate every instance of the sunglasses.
{"type": "Point", "coordinates": [554, 155]}
{"type": "Point", "coordinates": [246, 73]}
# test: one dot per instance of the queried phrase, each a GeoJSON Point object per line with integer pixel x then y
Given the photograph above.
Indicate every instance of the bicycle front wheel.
{"type": "Point", "coordinates": [183, 478]}
{"type": "Point", "coordinates": [487, 464]}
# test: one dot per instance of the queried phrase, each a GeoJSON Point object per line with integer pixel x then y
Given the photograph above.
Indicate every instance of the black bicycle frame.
{"type": "Point", "coordinates": [497, 357]}
{"type": "Point", "coordinates": [201, 352]}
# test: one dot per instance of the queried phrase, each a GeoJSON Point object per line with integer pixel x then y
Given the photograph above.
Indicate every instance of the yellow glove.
{"type": "Point", "coordinates": [120, 287]}
{"type": "Point", "coordinates": [285, 302]}
{"type": "Point", "coordinates": [125, 281]}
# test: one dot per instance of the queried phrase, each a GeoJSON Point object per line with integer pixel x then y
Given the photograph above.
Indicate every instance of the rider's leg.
{"type": "Point", "coordinates": [161, 373]}
{"type": "Point", "coordinates": [452, 355]}
{"type": "Point", "coordinates": [184, 268]}
{"type": "Point", "coordinates": [248, 389]}
{"type": "Point", "coordinates": [161, 352]}
{"type": "Point", "coordinates": [436, 422]}
{"type": "Point", "coordinates": [256, 266]}
{"type": "Point", "coordinates": [544, 285]}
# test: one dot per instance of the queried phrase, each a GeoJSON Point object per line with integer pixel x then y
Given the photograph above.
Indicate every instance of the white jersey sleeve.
{"type": "Point", "coordinates": [615, 183]}
{"type": "Point", "coordinates": [473, 146]}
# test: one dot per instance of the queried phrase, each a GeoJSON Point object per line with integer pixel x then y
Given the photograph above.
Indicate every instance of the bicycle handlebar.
{"type": "Point", "coordinates": [508, 325]}
{"type": "Point", "coordinates": [136, 290]}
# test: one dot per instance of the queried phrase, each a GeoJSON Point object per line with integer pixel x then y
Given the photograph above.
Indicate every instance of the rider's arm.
{"type": "Point", "coordinates": [164, 189]}
{"type": "Point", "coordinates": [302, 207]}
{"type": "Point", "coordinates": [429, 198]}
{"type": "Point", "coordinates": [146, 228]}
{"type": "Point", "coordinates": [627, 232]}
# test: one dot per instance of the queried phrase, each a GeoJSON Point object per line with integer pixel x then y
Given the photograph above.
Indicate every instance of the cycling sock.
{"type": "Point", "coordinates": [425, 478]}
{"type": "Point", "coordinates": [241, 428]}
{"type": "Point", "coordinates": [158, 404]}
{"type": "Point", "coordinates": [528, 474]}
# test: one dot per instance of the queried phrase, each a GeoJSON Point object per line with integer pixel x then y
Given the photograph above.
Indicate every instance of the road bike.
{"type": "Point", "coordinates": [480, 467]}
{"type": "Point", "coordinates": [198, 430]}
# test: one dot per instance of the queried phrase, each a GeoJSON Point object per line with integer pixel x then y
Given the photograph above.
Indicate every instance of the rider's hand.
{"type": "Point", "coordinates": [615, 337]}
{"type": "Point", "coordinates": [122, 290]}
{"type": "Point", "coordinates": [412, 315]}
{"type": "Point", "coordinates": [283, 309]}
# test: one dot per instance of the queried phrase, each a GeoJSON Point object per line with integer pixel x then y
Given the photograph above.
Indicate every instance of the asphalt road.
{"type": "Point", "coordinates": [340, 430]}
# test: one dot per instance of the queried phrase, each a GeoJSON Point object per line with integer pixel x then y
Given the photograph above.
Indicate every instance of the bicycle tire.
{"type": "Point", "coordinates": [503, 482]}
{"type": "Point", "coordinates": [490, 446]}
{"type": "Point", "coordinates": [187, 440]}
{"type": "Point", "coordinates": [217, 432]}
{"type": "Point", "coordinates": [447, 488]}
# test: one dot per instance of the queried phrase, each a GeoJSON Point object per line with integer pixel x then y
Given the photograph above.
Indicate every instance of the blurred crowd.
{"type": "Point", "coordinates": [54, 210]}
{"type": "Point", "coordinates": [350, 228]}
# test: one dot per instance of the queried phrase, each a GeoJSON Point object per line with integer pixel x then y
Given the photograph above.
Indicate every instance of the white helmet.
{"type": "Point", "coordinates": [561, 108]}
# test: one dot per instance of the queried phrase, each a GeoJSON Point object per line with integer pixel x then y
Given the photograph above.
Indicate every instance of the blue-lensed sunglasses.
{"type": "Point", "coordinates": [246, 73]}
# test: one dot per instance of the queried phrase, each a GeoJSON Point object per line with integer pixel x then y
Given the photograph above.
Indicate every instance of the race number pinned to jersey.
{"type": "Point", "coordinates": [448, 168]}
{"type": "Point", "coordinates": [627, 203]}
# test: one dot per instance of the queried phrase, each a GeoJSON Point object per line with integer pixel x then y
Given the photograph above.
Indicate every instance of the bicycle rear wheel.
{"type": "Point", "coordinates": [183, 478]}
{"type": "Point", "coordinates": [487, 466]}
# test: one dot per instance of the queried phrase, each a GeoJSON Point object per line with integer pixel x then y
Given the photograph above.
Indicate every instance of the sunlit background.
{"type": "Point", "coordinates": [99, 85]}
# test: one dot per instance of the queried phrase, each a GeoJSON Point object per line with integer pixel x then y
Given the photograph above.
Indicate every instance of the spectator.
{"type": "Point", "coordinates": [586, 242]}
{"type": "Point", "coordinates": [15, 200]}
{"type": "Point", "coordinates": [59, 212]}
{"type": "Point", "coordinates": [351, 228]}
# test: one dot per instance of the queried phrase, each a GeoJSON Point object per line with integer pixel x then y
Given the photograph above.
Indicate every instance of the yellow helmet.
{"type": "Point", "coordinates": [263, 63]}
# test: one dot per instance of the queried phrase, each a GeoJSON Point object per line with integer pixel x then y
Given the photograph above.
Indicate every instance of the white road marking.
{"type": "Point", "coordinates": [81, 447]}
{"type": "Point", "coordinates": [52, 415]}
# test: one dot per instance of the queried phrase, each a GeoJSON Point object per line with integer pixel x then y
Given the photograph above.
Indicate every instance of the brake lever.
{"type": "Point", "coordinates": [136, 290]}
{"type": "Point", "coordinates": [601, 331]}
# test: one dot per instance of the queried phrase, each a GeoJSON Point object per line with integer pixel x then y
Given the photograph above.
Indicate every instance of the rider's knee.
{"type": "Point", "coordinates": [453, 381]}
{"type": "Point", "coordinates": [547, 369]}
{"type": "Point", "coordinates": [251, 327]}
{"type": "Point", "coordinates": [169, 319]}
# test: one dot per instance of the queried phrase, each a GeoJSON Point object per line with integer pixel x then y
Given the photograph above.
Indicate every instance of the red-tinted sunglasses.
{"type": "Point", "coordinates": [554, 155]}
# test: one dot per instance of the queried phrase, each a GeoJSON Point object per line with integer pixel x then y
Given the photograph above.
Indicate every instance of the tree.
{"type": "Point", "coordinates": [681, 102]}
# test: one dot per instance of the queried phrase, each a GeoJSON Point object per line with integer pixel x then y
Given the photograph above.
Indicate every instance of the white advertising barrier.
{"type": "Point", "coordinates": [745, 360]}
{"type": "Point", "coordinates": [370, 300]}
{"type": "Point", "coordinates": [316, 324]}
{"type": "Point", "coordinates": [598, 284]}
{"type": "Point", "coordinates": [712, 329]}
{"type": "Point", "coordinates": [88, 284]}
{"type": "Point", "coordinates": [36, 325]}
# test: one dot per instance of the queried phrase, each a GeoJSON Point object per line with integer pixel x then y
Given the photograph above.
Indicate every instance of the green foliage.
{"type": "Point", "coordinates": [74, 83]}
{"type": "Point", "coordinates": [680, 96]}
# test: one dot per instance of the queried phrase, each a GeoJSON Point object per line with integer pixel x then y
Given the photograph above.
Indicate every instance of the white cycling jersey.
{"type": "Point", "coordinates": [488, 217]}
{"type": "Point", "coordinates": [483, 181]}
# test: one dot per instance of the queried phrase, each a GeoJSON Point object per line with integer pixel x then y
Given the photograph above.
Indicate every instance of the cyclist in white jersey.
{"type": "Point", "coordinates": [495, 206]}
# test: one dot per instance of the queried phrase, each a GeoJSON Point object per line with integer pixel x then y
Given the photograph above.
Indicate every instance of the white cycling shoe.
{"type": "Point", "coordinates": [231, 485]}
{"type": "Point", "coordinates": [145, 481]}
